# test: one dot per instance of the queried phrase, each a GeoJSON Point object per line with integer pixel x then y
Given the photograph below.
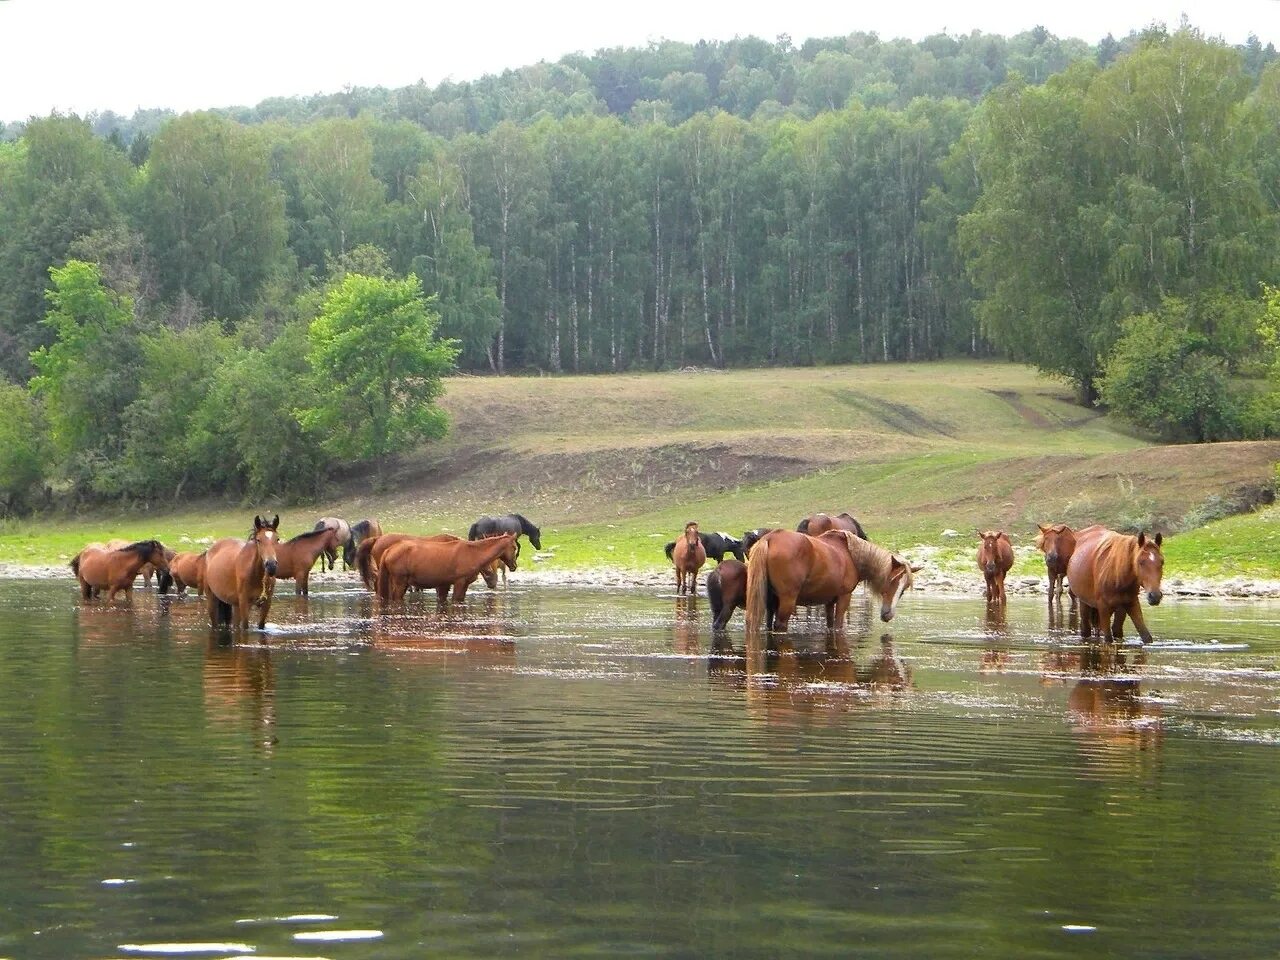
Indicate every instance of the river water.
{"type": "Point", "coordinates": [555, 772]}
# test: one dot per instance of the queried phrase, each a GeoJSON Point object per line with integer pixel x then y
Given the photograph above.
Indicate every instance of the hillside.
{"type": "Point", "coordinates": [611, 466]}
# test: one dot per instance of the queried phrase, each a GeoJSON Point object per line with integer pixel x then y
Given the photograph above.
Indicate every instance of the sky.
{"type": "Point", "coordinates": [81, 56]}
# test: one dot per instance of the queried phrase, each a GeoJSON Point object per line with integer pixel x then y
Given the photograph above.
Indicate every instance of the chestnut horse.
{"type": "Point", "coordinates": [688, 555]}
{"type": "Point", "coordinates": [240, 574]}
{"type": "Point", "coordinates": [1057, 542]}
{"type": "Point", "coordinates": [727, 591]}
{"type": "Point", "coordinates": [438, 565]}
{"type": "Point", "coordinates": [114, 570]}
{"type": "Point", "coordinates": [995, 559]}
{"type": "Point", "coordinates": [816, 524]}
{"type": "Point", "coordinates": [787, 568]}
{"type": "Point", "coordinates": [296, 556]}
{"type": "Point", "coordinates": [359, 533]}
{"type": "Point", "coordinates": [369, 555]}
{"type": "Point", "coordinates": [1108, 572]}
{"type": "Point", "coordinates": [187, 570]}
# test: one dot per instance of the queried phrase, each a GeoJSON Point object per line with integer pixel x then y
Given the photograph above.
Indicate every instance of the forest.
{"type": "Point", "coordinates": [1108, 212]}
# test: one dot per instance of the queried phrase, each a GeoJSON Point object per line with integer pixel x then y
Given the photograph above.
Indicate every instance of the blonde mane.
{"type": "Point", "coordinates": [1115, 561]}
{"type": "Point", "coordinates": [875, 564]}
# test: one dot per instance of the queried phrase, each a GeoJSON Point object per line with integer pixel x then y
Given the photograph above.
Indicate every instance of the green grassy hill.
{"type": "Point", "coordinates": [612, 466]}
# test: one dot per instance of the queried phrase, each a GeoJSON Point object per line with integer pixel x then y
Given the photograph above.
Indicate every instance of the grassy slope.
{"type": "Point", "coordinates": [611, 467]}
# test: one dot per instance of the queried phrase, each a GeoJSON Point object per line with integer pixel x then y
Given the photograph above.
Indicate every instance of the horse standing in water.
{"type": "Point", "coordinates": [295, 557]}
{"type": "Point", "coordinates": [439, 565]}
{"type": "Point", "coordinates": [1057, 542]}
{"type": "Point", "coordinates": [688, 555]}
{"type": "Point", "coordinates": [187, 570]}
{"type": "Point", "coordinates": [716, 544]}
{"type": "Point", "coordinates": [786, 569]}
{"type": "Point", "coordinates": [1108, 572]}
{"type": "Point", "coordinates": [114, 570]}
{"type": "Point", "coordinates": [343, 531]}
{"type": "Point", "coordinates": [359, 533]}
{"type": "Point", "coordinates": [240, 574]}
{"type": "Point", "coordinates": [727, 591]}
{"type": "Point", "coordinates": [815, 525]}
{"type": "Point", "coordinates": [995, 559]}
{"type": "Point", "coordinates": [370, 552]}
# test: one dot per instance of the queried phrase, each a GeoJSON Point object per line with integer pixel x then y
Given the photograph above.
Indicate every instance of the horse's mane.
{"type": "Point", "coordinates": [528, 528]}
{"type": "Point", "coordinates": [874, 563]}
{"type": "Point", "coordinates": [318, 532]}
{"type": "Point", "coordinates": [1113, 560]}
{"type": "Point", "coordinates": [140, 547]}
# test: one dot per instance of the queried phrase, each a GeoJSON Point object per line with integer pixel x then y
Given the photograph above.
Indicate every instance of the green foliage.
{"type": "Point", "coordinates": [378, 366]}
{"type": "Point", "coordinates": [22, 450]}
{"type": "Point", "coordinates": [1162, 376]}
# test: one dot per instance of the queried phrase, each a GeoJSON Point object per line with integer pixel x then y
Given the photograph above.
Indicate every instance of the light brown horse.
{"type": "Point", "coordinates": [240, 574]}
{"type": "Point", "coordinates": [102, 568]}
{"type": "Point", "coordinates": [688, 555]}
{"type": "Point", "coordinates": [438, 564]}
{"type": "Point", "coordinates": [787, 568]}
{"type": "Point", "coordinates": [295, 557]}
{"type": "Point", "coordinates": [369, 555]}
{"type": "Point", "coordinates": [1108, 572]}
{"type": "Point", "coordinates": [816, 524]}
{"type": "Point", "coordinates": [187, 570]}
{"type": "Point", "coordinates": [1057, 542]}
{"type": "Point", "coordinates": [995, 559]}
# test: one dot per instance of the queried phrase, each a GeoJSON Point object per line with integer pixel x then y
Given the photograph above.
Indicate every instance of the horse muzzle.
{"type": "Point", "coordinates": [886, 615]}
{"type": "Point", "coordinates": [270, 566]}
{"type": "Point", "coordinates": [1154, 597]}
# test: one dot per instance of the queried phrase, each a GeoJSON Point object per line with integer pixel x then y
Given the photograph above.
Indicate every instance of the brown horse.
{"type": "Point", "coordinates": [296, 556]}
{"type": "Point", "coordinates": [148, 569]}
{"type": "Point", "coordinates": [369, 556]}
{"type": "Point", "coordinates": [727, 591]}
{"type": "Point", "coordinates": [438, 564]}
{"type": "Point", "coordinates": [816, 524]}
{"type": "Point", "coordinates": [187, 570]}
{"type": "Point", "coordinates": [1108, 573]}
{"type": "Point", "coordinates": [100, 568]}
{"type": "Point", "coordinates": [995, 559]}
{"type": "Point", "coordinates": [240, 574]}
{"type": "Point", "coordinates": [1057, 542]}
{"type": "Point", "coordinates": [787, 568]}
{"type": "Point", "coordinates": [688, 555]}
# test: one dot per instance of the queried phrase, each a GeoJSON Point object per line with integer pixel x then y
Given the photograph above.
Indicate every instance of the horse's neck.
{"type": "Point", "coordinates": [257, 569]}
{"type": "Point", "coordinates": [137, 561]}
{"type": "Point", "coordinates": [490, 548]}
{"type": "Point", "coordinates": [871, 561]}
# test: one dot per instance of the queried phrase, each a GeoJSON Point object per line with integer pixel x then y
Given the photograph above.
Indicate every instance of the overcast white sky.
{"type": "Point", "coordinates": [87, 55]}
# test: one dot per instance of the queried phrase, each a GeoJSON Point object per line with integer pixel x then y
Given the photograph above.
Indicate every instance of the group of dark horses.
{"type": "Point", "coordinates": [237, 577]}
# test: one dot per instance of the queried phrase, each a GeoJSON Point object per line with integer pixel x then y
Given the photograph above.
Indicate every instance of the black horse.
{"type": "Point", "coordinates": [716, 545]}
{"type": "Point", "coordinates": [727, 591]}
{"type": "Point", "coordinates": [751, 536]}
{"type": "Point", "coordinates": [512, 523]}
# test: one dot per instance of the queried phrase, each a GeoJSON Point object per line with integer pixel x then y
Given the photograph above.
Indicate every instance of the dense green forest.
{"type": "Point", "coordinates": [1109, 213]}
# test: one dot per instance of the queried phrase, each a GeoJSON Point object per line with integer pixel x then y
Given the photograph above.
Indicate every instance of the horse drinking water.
{"type": "Point", "coordinates": [99, 568]}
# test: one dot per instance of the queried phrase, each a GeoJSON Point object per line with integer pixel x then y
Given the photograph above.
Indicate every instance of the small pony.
{"type": "Point", "coordinates": [114, 570]}
{"type": "Point", "coordinates": [240, 574]}
{"type": "Point", "coordinates": [1057, 542]}
{"type": "Point", "coordinates": [995, 559]}
{"type": "Point", "coordinates": [688, 555]}
{"type": "Point", "coordinates": [1108, 573]}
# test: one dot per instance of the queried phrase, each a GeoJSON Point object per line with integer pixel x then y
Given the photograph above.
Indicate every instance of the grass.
{"type": "Point", "coordinates": [611, 467]}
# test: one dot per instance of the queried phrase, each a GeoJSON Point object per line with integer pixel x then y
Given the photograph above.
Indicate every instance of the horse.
{"type": "Point", "coordinates": [995, 559]}
{"type": "Point", "coordinates": [359, 532]}
{"type": "Point", "coordinates": [296, 556]}
{"type": "Point", "coordinates": [787, 568]}
{"type": "Point", "coordinates": [343, 530]}
{"type": "Point", "coordinates": [439, 564]}
{"type": "Point", "coordinates": [240, 574]}
{"type": "Point", "coordinates": [369, 556]}
{"type": "Point", "coordinates": [688, 555]}
{"type": "Point", "coordinates": [511, 523]}
{"type": "Point", "coordinates": [751, 537]}
{"type": "Point", "coordinates": [716, 544]}
{"type": "Point", "coordinates": [1108, 573]}
{"type": "Point", "coordinates": [727, 591]}
{"type": "Point", "coordinates": [99, 568]}
{"type": "Point", "coordinates": [187, 570]}
{"type": "Point", "coordinates": [815, 525]}
{"type": "Point", "coordinates": [163, 580]}
{"type": "Point", "coordinates": [1057, 542]}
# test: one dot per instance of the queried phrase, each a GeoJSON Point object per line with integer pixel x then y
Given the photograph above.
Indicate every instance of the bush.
{"type": "Point", "coordinates": [23, 450]}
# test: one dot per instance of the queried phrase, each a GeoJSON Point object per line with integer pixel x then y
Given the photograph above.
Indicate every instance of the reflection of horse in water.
{"type": "Point", "coordinates": [475, 635]}
{"type": "Point", "coordinates": [239, 684]}
{"type": "Point", "coordinates": [1107, 705]}
{"type": "Point", "coordinates": [684, 631]}
{"type": "Point", "coordinates": [995, 629]}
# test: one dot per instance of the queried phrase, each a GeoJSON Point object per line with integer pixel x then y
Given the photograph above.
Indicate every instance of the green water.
{"type": "Point", "coordinates": [554, 772]}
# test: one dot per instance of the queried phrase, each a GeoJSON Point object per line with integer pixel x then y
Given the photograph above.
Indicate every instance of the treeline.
{"type": "Point", "coordinates": [1137, 189]}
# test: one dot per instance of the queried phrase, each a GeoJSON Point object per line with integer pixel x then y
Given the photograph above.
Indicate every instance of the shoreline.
{"type": "Point", "coordinates": [933, 583]}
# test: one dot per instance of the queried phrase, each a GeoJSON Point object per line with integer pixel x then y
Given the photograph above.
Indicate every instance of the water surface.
{"type": "Point", "coordinates": [557, 772]}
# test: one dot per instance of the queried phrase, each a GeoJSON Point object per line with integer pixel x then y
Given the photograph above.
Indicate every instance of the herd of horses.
{"type": "Point", "coordinates": [767, 572]}
{"type": "Point", "coordinates": [237, 577]}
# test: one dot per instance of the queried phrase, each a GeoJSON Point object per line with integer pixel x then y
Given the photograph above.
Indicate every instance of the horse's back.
{"type": "Point", "coordinates": [221, 576]}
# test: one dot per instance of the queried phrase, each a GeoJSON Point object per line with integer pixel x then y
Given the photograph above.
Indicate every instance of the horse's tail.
{"type": "Point", "coordinates": [75, 564]}
{"type": "Point", "coordinates": [803, 526]}
{"type": "Point", "coordinates": [715, 594]}
{"type": "Point", "coordinates": [670, 550]}
{"type": "Point", "coordinates": [758, 586]}
{"type": "Point", "coordinates": [383, 589]}
{"type": "Point", "coordinates": [364, 561]}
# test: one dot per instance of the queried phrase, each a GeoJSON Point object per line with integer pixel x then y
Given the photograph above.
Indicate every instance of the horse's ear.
{"type": "Point", "coordinates": [257, 522]}
{"type": "Point", "coordinates": [1043, 528]}
{"type": "Point", "coordinates": [917, 568]}
{"type": "Point", "coordinates": [275, 523]}
{"type": "Point", "coordinates": [1159, 539]}
{"type": "Point", "coordinates": [1142, 538]}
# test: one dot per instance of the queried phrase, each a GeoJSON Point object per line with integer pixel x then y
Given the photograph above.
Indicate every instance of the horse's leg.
{"type": "Point", "coordinates": [786, 607]}
{"type": "Point", "coordinates": [262, 620]}
{"type": "Point", "coordinates": [842, 608]}
{"type": "Point", "coordinates": [1103, 613]}
{"type": "Point", "coordinates": [1086, 612]}
{"type": "Point", "coordinates": [1135, 614]}
{"type": "Point", "coordinates": [442, 594]}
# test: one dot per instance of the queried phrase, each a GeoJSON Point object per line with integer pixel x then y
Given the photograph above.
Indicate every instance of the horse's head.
{"type": "Point", "coordinates": [1057, 542]}
{"type": "Point", "coordinates": [158, 555]}
{"type": "Point", "coordinates": [510, 550]}
{"type": "Point", "coordinates": [989, 552]}
{"type": "Point", "coordinates": [265, 537]}
{"type": "Point", "coordinates": [490, 574]}
{"type": "Point", "coordinates": [535, 536]}
{"type": "Point", "coordinates": [512, 564]}
{"type": "Point", "coordinates": [1149, 562]}
{"type": "Point", "coordinates": [897, 583]}
{"type": "Point", "coordinates": [690, 533]}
